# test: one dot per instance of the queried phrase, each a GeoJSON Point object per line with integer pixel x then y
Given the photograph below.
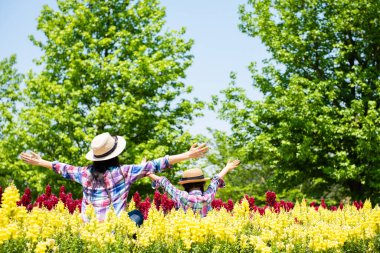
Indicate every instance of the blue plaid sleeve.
{"type": "Point", "coordinates": [134, 172]}
{"type": "Point", "coordinates": [177, 196]}
{"type": "Point", "coordinates": [69, 171]}
{"type": "Point", "coordinates": [216, 183]}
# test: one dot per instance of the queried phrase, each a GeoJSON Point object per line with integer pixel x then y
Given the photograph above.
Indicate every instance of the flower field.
{"type": "Point", "coordinates": [54, 224]}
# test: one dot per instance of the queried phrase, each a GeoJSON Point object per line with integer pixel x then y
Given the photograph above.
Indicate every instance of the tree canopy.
{"type": "Point", "coordinates": [106, 66]}
{"type": "Point", "coordinates": [10, 80]}
{"type": "Point", "coordinates": [317, 128]}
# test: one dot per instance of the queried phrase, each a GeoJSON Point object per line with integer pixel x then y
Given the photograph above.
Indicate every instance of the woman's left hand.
{"type": "Point", "coordinates": [197, 151]}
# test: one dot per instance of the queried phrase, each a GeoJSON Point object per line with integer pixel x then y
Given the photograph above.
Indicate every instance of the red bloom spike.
{"type": "Point", "coordinates": [251, 202]}
{"type": "Point", "coordinates": [157, 199]}
{"type": "Point", "coordinates": [48, 191]}
{"type": "Point", "coordinates": [62, 189]}
{"type": "Point", "coordinates": [137, 199]}
{"type": "Point", "coordinates": [78, 203]}
{"type": "Point", "coordinates": [289, 205]}
{"type": "Point", "coordinates": [270, 198]}
{"type": "Point", "coordinates": [323, 204]}
{"type": "Point", "coordinates": [26, 198]}
{"type": "Point", "coordinates": [144, 207]}
{"type": "Point", "coordinates": [230, 205]}
{"type": "Point", "coordinates": [62, 195]}
{"type": "Point", "coordinates": [28, 192]}
{"type": "Point", "coordinates": [71, 205]}
{"type": "Point", "coordinates": [29, 207]}
{"type": "Point", "coordinates": [166, 203]}
{"type": "Point", "coordinates": [276, 207]}
{"type": "Point", "coordinates": [216, 204]}
{"type": "Point", "coordinates": [357, 205]}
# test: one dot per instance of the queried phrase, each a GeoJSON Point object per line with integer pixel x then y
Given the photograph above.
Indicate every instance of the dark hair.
{"type": "Point", "coordinates": [188, 187]}
{"type": "Point", "coordinates": [99, 167]}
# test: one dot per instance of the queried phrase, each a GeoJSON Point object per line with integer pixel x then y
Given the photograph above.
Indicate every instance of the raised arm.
{"type": "Point", "coordinates": [35, 159]}
{"type": "Point", "coordinates": [194, 152]}
{"type": "Point", "coordinates": [67, 171]}
{"type": "Point", "coordinates": [175, 194]}
{"type": "Point", "coordinates": [229, 166]}
{"type": "Point", "coordinates": [218, 182]}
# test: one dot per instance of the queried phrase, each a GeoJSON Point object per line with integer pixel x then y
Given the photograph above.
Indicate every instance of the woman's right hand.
{"type": "Point", "coordinates": [229, 166]}
{"type": "Point", "coordinates": [232, 164]}
{"type": "Point", "coordinates": [31, 158]}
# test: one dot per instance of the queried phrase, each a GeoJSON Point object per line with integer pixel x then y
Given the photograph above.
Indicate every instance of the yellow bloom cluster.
{"type": "Point", "coordinates": [299, 230]}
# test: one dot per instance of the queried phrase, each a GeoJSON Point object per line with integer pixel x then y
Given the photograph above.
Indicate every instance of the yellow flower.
{"type": "Point", "coordinates": [43, 246]}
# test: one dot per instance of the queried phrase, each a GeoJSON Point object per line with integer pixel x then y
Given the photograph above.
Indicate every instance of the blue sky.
{"type": "Point", "coordinates": [213, 24]}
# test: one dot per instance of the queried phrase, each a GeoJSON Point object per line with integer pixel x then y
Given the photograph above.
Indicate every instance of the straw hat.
{"type": "Point", "coordinates": [104, 147]}
{"type": "Point", "coordinates": [193, 176]}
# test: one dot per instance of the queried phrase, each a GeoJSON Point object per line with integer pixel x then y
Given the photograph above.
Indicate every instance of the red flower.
{"type": "Point", "coordinates": [47, 200]}
{"type": "Point", "coordinates": [28, 192]}
{"type": "Point", "coordinates": [313, 204]}
{"type": "Point", "coordinates": [29, 207]}
{"type": "Point", "coordinates": [251, 201]}
{"type": "Point", "coordinates": [166, 203]}
{"type": "Point", "coordinates": [276, 207]}
{"type": "Point", "coordinates": [48, 204]}
{"type": "Point", "coordinates": [144, 207]}
{"type": "Point", "coordinates": [137, 199]}
{"type": "Point", "coordinates": [358, 205]}
{"type": "Point", "coordinates": [270, 198]}
{"type": "Point", "coordinates": [287, 205]}
{"type": "Point", "coordinates": [48, 191]}
{"type": "Point", "coordinates": [341, 206]}
{"type": "Point", "coordinates": [25, 199]}
{"type": "Point", "coordinates": [71, 205]}
{"type": "Point", "coordinates": [229, 206]}
{"type": "Point", "coordinates": [216, 204]}
{"type": "Point", "coordinates": [78, 204]}
{"type": "Point", "coordinates": [290, 205]}
{"type": "Point", "coordinates": [323, 204]}
{"type": "Point", "coordinates": [62, 194]}
{"type": "Point", "coordinates": [157, 199]}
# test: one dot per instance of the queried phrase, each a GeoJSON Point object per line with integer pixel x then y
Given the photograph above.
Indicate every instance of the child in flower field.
{"type": "Point", "coordinates": [193, 181]}
{"type": "Point", "coordinates": [106, 182]}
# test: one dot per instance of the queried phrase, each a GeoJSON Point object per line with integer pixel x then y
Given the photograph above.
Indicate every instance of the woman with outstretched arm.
{"type": "Point", "coordinates": [106, 182]}
{"type": "Point", "coordinates": [193, 181]}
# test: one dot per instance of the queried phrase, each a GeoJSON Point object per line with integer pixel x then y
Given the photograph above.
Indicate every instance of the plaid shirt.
{"type": "Point", "coordinates": [115, 183]}
{"type": "Point", "coordinates": [195, 199]}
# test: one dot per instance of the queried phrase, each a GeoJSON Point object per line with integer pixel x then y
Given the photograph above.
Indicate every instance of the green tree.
{"type": "Point", "coordinates": [317, 128]}
{"type": "Point", "coordinates": [107, 66]}
{"type": "Point", "coordinates": [10, 80]}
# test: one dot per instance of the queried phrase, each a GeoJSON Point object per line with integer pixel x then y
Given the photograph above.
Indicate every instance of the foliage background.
{"type": "Point", "coordinates": [111, 67]}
